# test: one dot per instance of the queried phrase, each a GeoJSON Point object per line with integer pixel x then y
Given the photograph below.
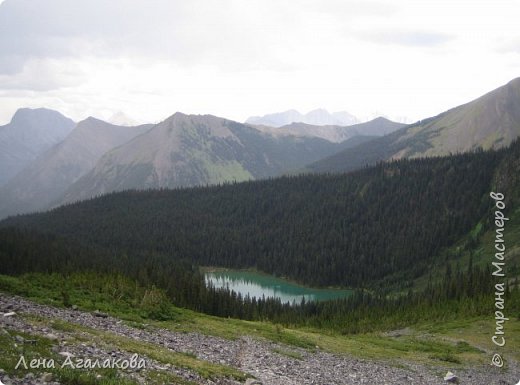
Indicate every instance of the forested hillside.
{"type": "Point", "coordinates": [387, 222]}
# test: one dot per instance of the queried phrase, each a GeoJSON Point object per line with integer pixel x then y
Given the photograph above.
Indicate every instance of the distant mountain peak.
{"type": "Point", "coordinates": [121, 119]}
{"type": "Point", "coordinates": [491, 121]}
{"type": "Point", "coordinates": [334, 133]}
{"type": "Point", "coordinates": [24, 114]}
{"type": "Point", "coordinates": [317, 117]}
{"type": "Point", "coordinates": [46, 178]}
{"type": "Point", "coordinates": [92, 119]}
{"type": "Point", "coordinates": [31, 132]}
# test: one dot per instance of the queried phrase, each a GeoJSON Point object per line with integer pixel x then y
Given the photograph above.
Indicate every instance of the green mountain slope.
{"type": "Point", "coordinates": [188, 150]}
{"type": "Point", "coordinates": [388, 222]}
{"type": "Point", "coordinates": [491, 121]}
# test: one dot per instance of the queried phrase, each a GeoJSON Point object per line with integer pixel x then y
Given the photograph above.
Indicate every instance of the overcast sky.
{"type": "Point", "coordinates": [236, 58]}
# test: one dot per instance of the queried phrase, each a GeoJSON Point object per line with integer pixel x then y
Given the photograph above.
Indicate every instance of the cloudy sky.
{"type": "Point", "coordinates": [405, 59]}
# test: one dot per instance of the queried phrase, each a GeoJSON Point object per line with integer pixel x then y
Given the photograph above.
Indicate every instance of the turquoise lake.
{"type": "Point", "coordinates": [258, 285]}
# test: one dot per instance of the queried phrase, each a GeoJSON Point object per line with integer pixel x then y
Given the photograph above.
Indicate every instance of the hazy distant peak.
{"type": "Point", "coordinates": [91, 119]}
{"type": "Point", "coordinates": [121, 119]}
{"type": "Point", "coordinates": [318, 110]}
{"type": "Point", "coordinates": [317, 117]}
{"type": "Point", "coordinates": [30, 133]}
{"type": "Point", "coordinates": [489, 122]}
{"type": "Point", "coordinates": [196, 118]}
{"type": "Point", "coordinates": [381, 119]}
{"type": "Point", "coordinates": [35, 114]}
{"type": "Point", "coordinates": [179, 115]}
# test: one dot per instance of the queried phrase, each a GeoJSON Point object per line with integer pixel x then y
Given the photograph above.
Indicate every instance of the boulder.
{"type": "Point", "coordinates": [100, 314]}
{"type": "Point", "coordinates": [452, 378]}
{"type": "Point", "coordinates": [52, 337]}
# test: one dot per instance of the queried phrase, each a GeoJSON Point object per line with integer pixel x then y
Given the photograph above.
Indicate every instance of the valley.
{"type": "Point", "coordinates": [259, 192]}
{"type": "Point", "coordinates": [338, 254]}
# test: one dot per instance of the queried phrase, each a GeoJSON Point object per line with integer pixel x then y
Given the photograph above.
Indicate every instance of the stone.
{"type": "Point", "coordinates": [100, 314]}
{"type": "Point", "coordinates": [47, 377]}
{"type": "Point", "coordinates": [252, 381]}
{"type": "Point", "coordinates": [10, 314]}
{"type": "Point", "coordinates": [74, 307]}
{"type": "Point", "coordinates": [66, 354]}
{"type": "Point", "coordinates": [19, 339]}
{"type": "Point", "coordinates": [52, 337]}
{"type": "Point", "coordinates": [452, 378]}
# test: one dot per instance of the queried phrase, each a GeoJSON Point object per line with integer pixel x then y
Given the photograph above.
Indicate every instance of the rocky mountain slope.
{"type": "Point", "coordinates": [491, 121]}
{"type": "Point", "coordinates": [45, 180]}
{"type": "Point", "coordinates": [188, 150]}
{"type": "Point", "coordinates": [28, 135]}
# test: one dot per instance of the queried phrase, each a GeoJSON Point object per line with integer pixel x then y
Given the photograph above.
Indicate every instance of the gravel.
{"type": "Point", "coordinates": [253, 356]}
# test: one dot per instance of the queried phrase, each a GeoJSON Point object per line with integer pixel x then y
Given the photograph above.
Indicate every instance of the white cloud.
{"type": "Point", "coordinates": [407, 38]}
{"type": "Point", "coordinates": [234, 58]}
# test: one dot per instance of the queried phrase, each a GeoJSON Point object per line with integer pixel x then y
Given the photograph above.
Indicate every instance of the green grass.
{"type": "Point", "coordinates": [116, 295]}
{"type": "Point", "coordinates": [483, 253]}
{"type": "Point", "coordinates": [458, 341]}
{"type": "Point", "coordinates": [478, 332]}
{"type": "Point", "coordinates": [41, 349]}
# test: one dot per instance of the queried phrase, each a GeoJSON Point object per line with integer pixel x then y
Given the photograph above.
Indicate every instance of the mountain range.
{"type": "Point", "coordinates": [30, 133]}
{"type": "Point", "coordinates": [491, 121]}
{"type": "Point", "coordinates": [45, 180]}
{"type": "Point", "coordinates": [95, 157]}
{"type": "Point", "coordinates": [318, 117]}
{"type": "Point", "coordinates": [190, 150]}
{"type": "Point", "coordinates": [337, 134]}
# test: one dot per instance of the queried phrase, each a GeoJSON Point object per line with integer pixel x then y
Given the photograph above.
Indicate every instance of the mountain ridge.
{"type": "Point", "coordinates": [188, 150]}
{"type": "Point", "coordinates": [318, 117]}
{"type": "Point", "coordinates": [490, 121]}
{"type": "Point", "coordinates": [29, 133]}
{"type": "Point", "coordinates": [376, 127]}
{"type": "Point", "coordinates": [45, 179]}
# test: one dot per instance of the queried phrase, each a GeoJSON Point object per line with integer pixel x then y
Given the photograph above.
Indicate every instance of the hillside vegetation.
{"type": "Point", "coordinates": [386, 222]}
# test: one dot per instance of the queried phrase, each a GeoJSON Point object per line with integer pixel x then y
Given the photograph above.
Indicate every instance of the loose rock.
{"type": "Point", "coordinates": [450, 377]}
{"type": "Point", "coordinates": [251, 381]}
{"type": "Point", "coordinates": [47, 377]}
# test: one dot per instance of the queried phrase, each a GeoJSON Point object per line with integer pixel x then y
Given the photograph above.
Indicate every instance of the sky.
{"type": "Point", "coordinates": [403, 59]}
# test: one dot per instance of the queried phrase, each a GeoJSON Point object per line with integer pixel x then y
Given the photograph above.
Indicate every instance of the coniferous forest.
{"type": "Point", "coordinates": [385, 224]}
